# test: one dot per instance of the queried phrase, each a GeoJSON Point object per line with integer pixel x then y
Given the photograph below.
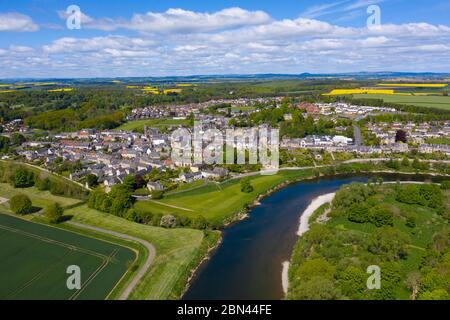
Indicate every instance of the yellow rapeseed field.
{"type": "Point", "coordinates": [338, 92]}
{"type": "Point", "coordinates": [167, 91]}
{"type": "Point", "coordinates": [61, 90]}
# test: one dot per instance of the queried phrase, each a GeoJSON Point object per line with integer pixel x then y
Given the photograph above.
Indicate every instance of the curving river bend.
{"type": "Point", "coordinates": [248, 263]}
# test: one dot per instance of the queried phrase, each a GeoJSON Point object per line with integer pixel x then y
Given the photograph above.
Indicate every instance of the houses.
{"type": "Point", "coordinates": [430, 148]}
{"type": "Point", "coordinates": [216, 173]}
{"type": "Point", "coordinates": [191, 177]}
{"type": "Point", "coordinates": [155, 186]}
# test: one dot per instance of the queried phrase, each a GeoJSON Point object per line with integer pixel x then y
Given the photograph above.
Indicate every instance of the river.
{"type": "Point", "coordinates": [248, 263]}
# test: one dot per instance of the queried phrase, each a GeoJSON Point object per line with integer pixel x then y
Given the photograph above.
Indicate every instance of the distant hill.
{"type": "Point", "coordinates": [243, 77]}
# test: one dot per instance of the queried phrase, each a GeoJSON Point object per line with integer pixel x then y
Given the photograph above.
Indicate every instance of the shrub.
{"type": "Point", "coordinates": [168, 221]}
{"type": "Point", "coordinates": [381, 216]}
{"type": "Point", "coordinates": [410, 222]}
{"type": "Point", "coordinates": [20, 204]}
{"type": "Point", "coordinates": [42, 184]}
{"type": "Point", "coordinates": [199, 222]}
{"type": "Point", "coordinates": [22, 178]}
{"type": "Point", "coordinates": [445, 185]}
{"type": "Point", "coordinates": [157, 195]}
{"type": "Point", "coordinates": [246, 186]}
{"type": "Point", "coordinates": [184, 221]}
{"type": "Point", "coordinates": [54, 212]}
{"type": "Point", "coordinates": [359, 213]}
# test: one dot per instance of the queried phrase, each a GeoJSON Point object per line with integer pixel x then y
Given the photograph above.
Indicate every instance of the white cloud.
{"type": "Point", "coordinates": [17, 22]}
{"type": "Point", "coordinates": [176, 20]}
{"type": "Point", "coordinates": [183, 42]}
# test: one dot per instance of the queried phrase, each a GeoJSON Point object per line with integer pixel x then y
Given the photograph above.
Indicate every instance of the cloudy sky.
{"type": "Point", "coordinates": [189, 37]}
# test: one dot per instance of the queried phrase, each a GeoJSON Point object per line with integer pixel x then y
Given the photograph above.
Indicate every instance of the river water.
{"type": "Point", "coordinates": [248, 263]}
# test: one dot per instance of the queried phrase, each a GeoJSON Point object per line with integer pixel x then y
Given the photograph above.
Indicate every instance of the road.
{"type": "Point", "coordinates": [151, 255]}
{"type": "Point", "coordinates": [358, 136]}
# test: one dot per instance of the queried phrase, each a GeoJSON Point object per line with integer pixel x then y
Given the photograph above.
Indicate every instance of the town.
{"type": "Point", "coordinates": [112, 155]}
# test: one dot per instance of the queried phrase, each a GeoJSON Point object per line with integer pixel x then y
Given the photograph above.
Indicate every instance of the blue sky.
{"type": "Point", "coordinates": [154, 38]}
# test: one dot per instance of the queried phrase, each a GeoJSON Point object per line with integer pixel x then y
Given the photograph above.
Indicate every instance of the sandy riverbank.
{"type": "Point", "coordinates": [315, 204]}
{"type": "Point", "coordinates": [302, 229]}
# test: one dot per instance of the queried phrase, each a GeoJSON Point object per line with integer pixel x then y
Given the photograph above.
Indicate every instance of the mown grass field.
{"type": "Point", "coordinates": [217, 202]}
{"type": "Point", "coordinates": [138, 125]}
{"type": "Point", "coordinates": [439, 102]}
{"type": "Point", "coordinates": [35, 258]}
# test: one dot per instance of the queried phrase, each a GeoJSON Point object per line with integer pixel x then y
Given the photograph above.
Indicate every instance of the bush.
{"type": "Point", "coordinates": [184, 221]}
{"type": "Point", "coordinates": [359, 213]}
{"type": "Point", "coordinates": [157, 195]}
{"type": "Point", "coordinates": [168, 221]}
{"type": "Point", "coordinates": [22, 178]}
{"type": "Point", "coordinates": [54, 212]}
{"type": "Point", "coordinates": [410, 222]}
{"type": "Point", "coordinates": [381, 216]}
{"type": "Point", "coordinates": [246, 186]}
{"type": "Point", "coordinates": [199, 222]}
{"type": "Point", "coordinates": [445, 185]}
{"type": "Point", "coordinates": [133, 216]}
{"type": "Point", "coordinates": [20, 204]}
{"type": "Point", "coordinates": [388, 243]}
{"type": "Point", "coordinates": [42, 184]}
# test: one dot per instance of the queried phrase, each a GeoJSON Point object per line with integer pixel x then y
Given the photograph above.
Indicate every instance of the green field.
{"type": "Point", "coordinates": [35, 258]}
{"type": "Point", "coordinates": [439, 102]}
{"type": "Point", "coordinates": [138, 125]}
{"type": "Point", "coordinates": [178, 251]}
{"type": "Point", "coordinates": [217, 202]}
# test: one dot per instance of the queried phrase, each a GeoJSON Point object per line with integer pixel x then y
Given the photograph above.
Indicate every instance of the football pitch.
{"type": "Point", "coordinates": [34, 259]}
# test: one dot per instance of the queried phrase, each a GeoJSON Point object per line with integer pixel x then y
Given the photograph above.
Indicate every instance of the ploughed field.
{"type": "Point", "coordinates": [34, 260]}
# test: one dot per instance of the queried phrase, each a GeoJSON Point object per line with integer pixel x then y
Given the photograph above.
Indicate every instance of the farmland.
{"type": "Point", "coordinates": [177, 251]}
{"type": "Point", "coordinates": [440, 102]}
{"type": "Point", "coordinates": [35, 258]}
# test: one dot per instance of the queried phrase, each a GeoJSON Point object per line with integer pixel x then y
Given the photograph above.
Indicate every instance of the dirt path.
{"type": "Point", "coordinates": [143, 270]}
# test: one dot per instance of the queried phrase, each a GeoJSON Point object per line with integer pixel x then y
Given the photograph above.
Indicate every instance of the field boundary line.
{"type": "Point", "coordinates": [145, 267]}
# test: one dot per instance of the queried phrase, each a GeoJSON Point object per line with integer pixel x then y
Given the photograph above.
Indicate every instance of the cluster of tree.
{"type": "Point", "coordinates": [321, 269]}
{"type": "Point", "coordinates": [167, 221]}
{"type": "Point", "coordinates": [20, 176]}
{"type": "Point", "coordinates": [433, 280]}
{"type": "Point", "coordinates": [117, 202]}
{"type": "Point", "coordinates": [427, 195]}
{"type": "Point", "coordinates": [357, 204]}
{"type": "Point", "coordinates": [70, 120]}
